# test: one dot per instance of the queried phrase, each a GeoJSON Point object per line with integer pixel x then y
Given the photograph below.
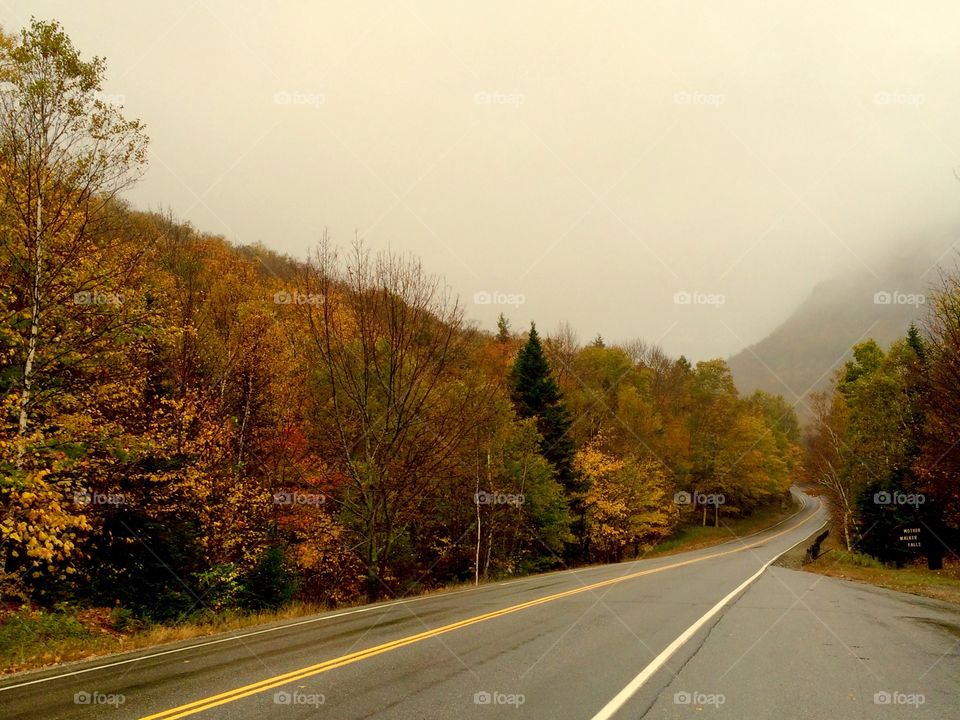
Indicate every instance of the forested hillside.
{"type": "Point", "coordinates": [193, 425]}
{"type": "Point", "coordinates": [884, 443]}
{"type": "Point", "coordinates": [798, 358]}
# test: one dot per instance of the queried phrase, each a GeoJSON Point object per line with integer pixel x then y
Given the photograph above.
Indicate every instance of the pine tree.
{"type": "Point", "coordinates": [535, 394]}
{"type": "Point", "coordinates": [503, 329]}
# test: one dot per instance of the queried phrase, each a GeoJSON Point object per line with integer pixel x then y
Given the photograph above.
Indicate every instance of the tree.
{"type": "Point", "coordinates": [535, 394]}
{"type": "Point", "coordinates": [627, 504]}
{"type": "Point", "coordinates": [504, 333]}
{"type": "Point", "coordinates": [779, 415]}
{"type": "Point", "coordinates": [66, 153]}
{"type": "Point", "coordinates": [523, 512]}
{"type": "Point", "coordinates": [395, 398]}
{"type": "Point", "coordinates": [866, 438]}
{"type": "Point", "coordinates": [941, 401]}
{"type": "Point", "coordinates": [64, 156]}
{"type": "Point", "coordinates": [825, 460]}
{"type": "Point", "coordinates": [711, 420]}
{"type": "Point", "coordinates": [561, 347]}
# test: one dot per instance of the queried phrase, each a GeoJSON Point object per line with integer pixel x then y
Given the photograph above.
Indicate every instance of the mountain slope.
{"type": "Point", "coordinates": [802, 355]}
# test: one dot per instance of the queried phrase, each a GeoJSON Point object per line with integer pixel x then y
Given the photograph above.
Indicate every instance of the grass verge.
{"type": "Point", "coordinates": [697, 537]}
{"type": "Point", "coordinates": [915, 579]}
{"type": "Point", "coordinates": [32, 639]}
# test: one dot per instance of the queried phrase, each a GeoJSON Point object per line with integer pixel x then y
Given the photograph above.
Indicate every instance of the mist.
{"type": "Point", "coordinates": [681, 172]}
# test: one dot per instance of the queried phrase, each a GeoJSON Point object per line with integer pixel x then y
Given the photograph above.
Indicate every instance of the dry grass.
{"type": "Point", "coordinates": [698, 537]}
{"type": "Point", "coordinates": [36, 639]}
{"type": "Point", "coordinates": [915, 579]}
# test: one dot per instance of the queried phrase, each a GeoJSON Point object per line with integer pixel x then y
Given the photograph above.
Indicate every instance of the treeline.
{"type": "Point", "coordinates": [188, 425]}
{"type": "Point", "coordinates": [885, 443]}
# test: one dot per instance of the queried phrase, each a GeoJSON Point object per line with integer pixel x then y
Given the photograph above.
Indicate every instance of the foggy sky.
{"type": "Point", "coordinates": [591, 159]}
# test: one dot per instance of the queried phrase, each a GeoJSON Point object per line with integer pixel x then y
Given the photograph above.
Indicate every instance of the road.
{"type": "Point", "coordinates": [715, 633]}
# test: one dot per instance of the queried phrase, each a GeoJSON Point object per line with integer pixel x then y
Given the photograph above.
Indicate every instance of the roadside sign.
{"type": "Point", "coordinates": [910, 538]}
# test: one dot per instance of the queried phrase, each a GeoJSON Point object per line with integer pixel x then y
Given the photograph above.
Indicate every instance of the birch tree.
{"type": "Point", "coordinates": [65, 153]}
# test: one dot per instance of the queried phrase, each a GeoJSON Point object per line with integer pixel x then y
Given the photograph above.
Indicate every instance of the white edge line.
{"type": "Point", "coordinates": [622, 697]}
{"type": "Point", "coordinates": [357, 611]}
{"type": "Point", "coordinates": [192, 647]}
{"type": "Point", "coordinates": [195, 646]}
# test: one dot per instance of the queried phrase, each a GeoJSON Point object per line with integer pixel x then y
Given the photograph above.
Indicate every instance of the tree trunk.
{"type": "Point", "coordinates": [246, 417]}
{"type": "Point", "coordinates": [34, 332]}
{"type": "Point", "coordinates": [476, 502]}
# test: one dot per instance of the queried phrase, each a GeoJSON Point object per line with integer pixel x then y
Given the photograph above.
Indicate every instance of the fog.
{"type": "Point", "coordinates": [681, 172]}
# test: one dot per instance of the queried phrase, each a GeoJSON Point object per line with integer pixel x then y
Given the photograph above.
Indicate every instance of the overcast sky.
{"type": "Point", "coordinates": [580, 161]}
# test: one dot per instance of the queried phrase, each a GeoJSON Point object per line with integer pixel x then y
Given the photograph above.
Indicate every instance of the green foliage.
{"type": "Point", "coordinates": [124, 620]}
{"type": "Point", "coordinates": [271, 583]}
{"type": "Point", "coordinates": [27, 626]}
{"type": "Point", "coordinates": [153, 569]}
{"type": "Point", "coordinates": [856, 559]}
{"type": "Point", "coordinates": [220, 586]}
{"type": "Point", "coordinates": [874, 439]}
{"type": "Point", "coordinates": [780, 417]}
{"type": "Point", "coordinates": [535, 394]}
{"type": "Point", "coordinates": [26, 629]}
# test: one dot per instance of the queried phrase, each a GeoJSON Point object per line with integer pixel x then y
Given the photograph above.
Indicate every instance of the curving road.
{"type": "Point", "coordinates": [712, 633]}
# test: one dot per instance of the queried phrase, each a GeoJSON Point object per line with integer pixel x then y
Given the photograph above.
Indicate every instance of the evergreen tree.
{"type": "Point", "coordinates": [503, 329]}
{"type": "Point", "coordinates": [535, 394]}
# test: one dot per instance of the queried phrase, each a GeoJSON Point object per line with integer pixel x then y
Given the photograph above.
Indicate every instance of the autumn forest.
{"type": "Point", "coordinates": [191, 426]}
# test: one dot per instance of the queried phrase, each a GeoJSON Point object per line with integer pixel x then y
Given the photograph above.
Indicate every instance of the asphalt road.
{"type": "Point", "coordinates": [710, 633]}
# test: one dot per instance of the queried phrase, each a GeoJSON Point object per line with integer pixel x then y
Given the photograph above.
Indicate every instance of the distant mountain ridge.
{"type": "Point", "coordinates": [802, 355]}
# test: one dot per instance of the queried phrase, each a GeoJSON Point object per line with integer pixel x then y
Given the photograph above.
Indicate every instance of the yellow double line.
{"type": "Point", "coordinates": [279, 680]}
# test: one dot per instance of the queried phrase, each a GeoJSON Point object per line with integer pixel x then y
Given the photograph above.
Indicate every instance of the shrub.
{"type": "Point", "coordinates": [271, 583]}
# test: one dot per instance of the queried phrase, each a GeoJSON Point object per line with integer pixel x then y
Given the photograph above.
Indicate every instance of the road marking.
{"type": "Point", "coordinates": [622, 697]}
{"type": "Point", "coordinates": [239, 693]}
{"type": "Point", "coordinates": [334, 616]}
{"type": "Point", "coordinates": [218, 641]}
